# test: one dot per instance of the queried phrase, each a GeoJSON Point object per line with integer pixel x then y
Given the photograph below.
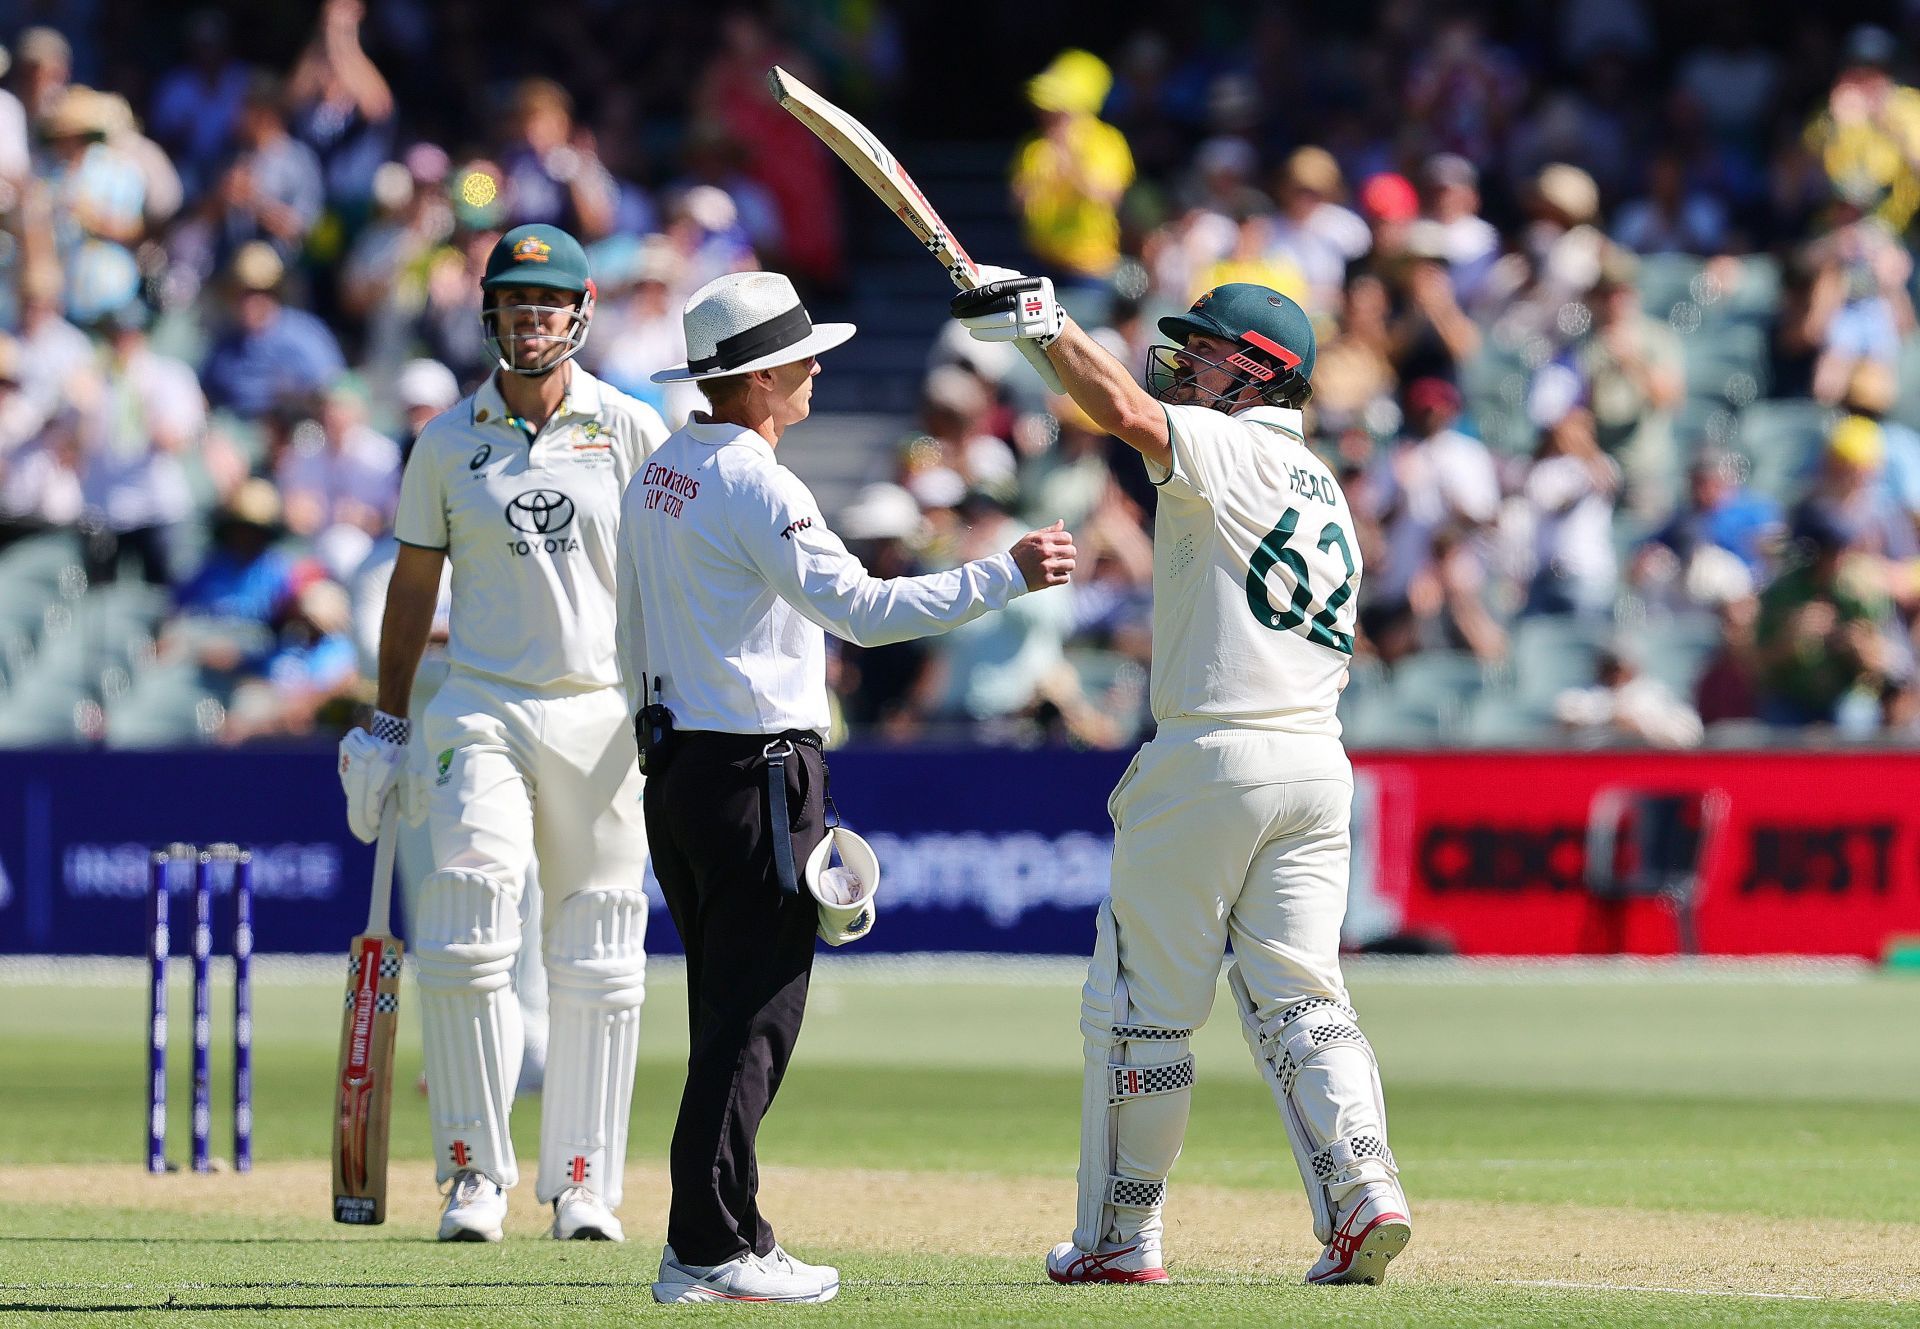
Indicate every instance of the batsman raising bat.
{"type": "Point", "coordinates": [1231, 824]}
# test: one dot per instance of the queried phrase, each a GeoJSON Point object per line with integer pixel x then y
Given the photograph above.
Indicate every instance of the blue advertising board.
{"type": "Point", "coordinates": [982, 849]}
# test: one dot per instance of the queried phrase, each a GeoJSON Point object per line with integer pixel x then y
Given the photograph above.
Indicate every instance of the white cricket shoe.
{"type": "Point", "coordinates": [476, 1207]}
{"type": "Point", "coordinates": [1370, 1229]}
{"type": "Point", "coordinates": [1133, 1261]}
{"type": "Point", "coordinates": [776, 1276]}
{"type": "Point", "coordinates": [580, 1215]}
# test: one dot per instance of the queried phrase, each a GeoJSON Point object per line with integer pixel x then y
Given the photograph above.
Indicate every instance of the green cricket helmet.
{"type": "Point", "coordinates": [543, 256]}
{"type": "Point", "coordinates": [1272, 338]}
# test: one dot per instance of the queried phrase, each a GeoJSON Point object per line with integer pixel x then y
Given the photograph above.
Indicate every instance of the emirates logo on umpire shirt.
{"type": "Point", "coordinates": [544, 515]}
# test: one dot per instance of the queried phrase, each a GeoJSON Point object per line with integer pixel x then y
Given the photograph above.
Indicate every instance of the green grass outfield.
{"type": "Point", "coordinates": [1643, 1146]}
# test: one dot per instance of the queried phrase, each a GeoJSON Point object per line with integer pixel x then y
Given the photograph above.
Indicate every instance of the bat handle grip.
{"type": "Point", "coordinates": [380, 908]}
{"type": "Point", "coordinates": [1042, 366]}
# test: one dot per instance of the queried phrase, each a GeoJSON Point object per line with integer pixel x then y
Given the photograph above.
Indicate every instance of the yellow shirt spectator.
{"type": "Point", "coordinates": [1068, 181]}
{"type": "Point", "coordinates": [1869, 142]}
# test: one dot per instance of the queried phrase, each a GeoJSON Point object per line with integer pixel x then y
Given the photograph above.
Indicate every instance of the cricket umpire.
{"type": "Point", "coordinates": [728, 576]}
{"type": "Point", "coordinates": [1231, 825]}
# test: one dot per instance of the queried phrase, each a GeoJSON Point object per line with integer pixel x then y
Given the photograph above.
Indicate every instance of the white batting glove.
{"type": "Point", "coordinates": [1010, 306]}
{"type": "Point", "coordinates": [371, 765]}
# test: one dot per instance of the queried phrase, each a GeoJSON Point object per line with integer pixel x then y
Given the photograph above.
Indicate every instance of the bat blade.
{"type": "Point", "coordinates": [881, 172]}
{"type": "Point", "coordinates": [364, 1086]}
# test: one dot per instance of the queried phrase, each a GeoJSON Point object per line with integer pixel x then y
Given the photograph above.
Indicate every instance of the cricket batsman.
{"type": "Point", "coordinates": [1231, 824]}
{"type": "Point", "coordinates": [530, 747]}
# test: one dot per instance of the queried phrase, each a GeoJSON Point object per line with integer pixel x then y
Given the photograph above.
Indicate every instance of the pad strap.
{"type": "Point", "coordinates": [1135, 1193]}
{"type": "Point", "coordinates": [1342, 1161]}
{"type": "Point", "coordinates": [1296, 1035]}
{"type": "Point", "coordinates": [1130, 1082]}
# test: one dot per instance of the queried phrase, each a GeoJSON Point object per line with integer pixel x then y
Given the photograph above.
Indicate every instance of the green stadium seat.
{"type": "Point", "coordinates": [1551, 654]}
{"type": "Point", "coordinates": [1500, 720]}
{"type": "Point", "coordinates": [1782, 439]}
{"type": "Point", "coordinates": [1666, 280]}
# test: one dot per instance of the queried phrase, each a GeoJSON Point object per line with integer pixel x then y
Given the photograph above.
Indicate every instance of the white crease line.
{"type": "Point", "coordinates": [1636, 1287]}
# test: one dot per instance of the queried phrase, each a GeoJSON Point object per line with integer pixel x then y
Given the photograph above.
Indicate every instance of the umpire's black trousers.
{"type": "Point", "coordinates": [749, 956]}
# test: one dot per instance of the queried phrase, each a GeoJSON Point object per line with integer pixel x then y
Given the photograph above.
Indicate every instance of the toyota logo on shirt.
{"type": "Point", "coordinates": [543, 514]}
{"type": "Point", "coordinates": [540, 512]}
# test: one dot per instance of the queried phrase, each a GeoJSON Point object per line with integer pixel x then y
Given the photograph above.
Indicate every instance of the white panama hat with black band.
{"type": "Point", "coordinates": [746, 321]}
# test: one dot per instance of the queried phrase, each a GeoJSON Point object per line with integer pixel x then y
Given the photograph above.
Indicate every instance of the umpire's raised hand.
{"type": "Point", "coordinates": [1045, 557]}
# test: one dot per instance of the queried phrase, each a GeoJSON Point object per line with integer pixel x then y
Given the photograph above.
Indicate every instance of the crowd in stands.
{"type": "Point", "coordinates": [1617, 359]}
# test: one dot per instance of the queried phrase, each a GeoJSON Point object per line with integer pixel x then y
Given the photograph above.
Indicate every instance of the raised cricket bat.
{"type": "Point", "coordinates": [855, 145]}
{"type": "Point", "coordinates": [364, 1087]}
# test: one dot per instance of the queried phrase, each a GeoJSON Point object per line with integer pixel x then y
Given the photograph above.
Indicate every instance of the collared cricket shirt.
{"type": "Point", "coordinates": [730, 580]}
{"type": "Point", "coordinates": [1255, 567]}
{"type": "Point", "coordinates": [530, 522]}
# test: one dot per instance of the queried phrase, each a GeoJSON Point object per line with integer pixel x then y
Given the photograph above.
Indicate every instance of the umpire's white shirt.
{"type": "Point", "coordinates": [530, 525]}
{"type": "Point", "coordinates": [728, 574]}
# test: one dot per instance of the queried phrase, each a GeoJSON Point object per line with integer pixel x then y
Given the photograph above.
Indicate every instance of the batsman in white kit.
{"type": "Point", "coordinates": [530, 748]}
{"type": "Point", "coordinates": [1231, 825]}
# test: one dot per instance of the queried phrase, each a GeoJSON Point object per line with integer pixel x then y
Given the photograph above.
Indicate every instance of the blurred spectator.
{"type": "Point", "coordinates": [1728, 688]}
{"type": "Point", "coordinates": [1068, 178]}
{"type": "Point", "coordinates": [150, 417]}
{"type": "Point", "coordinates": [1822, 627]}
{"type": "Point", "coordinates": [447, 323]}
{"type": "Point", "coordinates": [1063, 467]}
{"type": "Point", "coordinates": [885, 690]}
{"type": "Point", "coordinates": [341, 107]}
{"type": "Point", "coordinates": [382, 282]}
{"type": "Point", "coordinates": [244, 575]}
{"type": "Point", "coordinates": [1871, 394]}
{"type": "Point", "coordinates": [1671, 218]}
{"type": "Point", "coordinates": [714, 157]}
{"type": "Point", "coordinates": [14, 147]}
{"type": "Point", "coordinates": [272, 190]}
{"type": "Point", "coordinates": [160, 183]}
{"type": "Point", "coordinates": [954, 407]}
{"type": "Point", "coordinates": [1434, 476]}
{"type": "Point", "coordinates": [1556, 261]}
{"type": "Point", "coordinates": [1719, 513]}
{"type": "Point", "coordinates": [1462, 91]}
{"type": "Point", "coordinates": [313, 662]}
{"type": "Point", "coordinates": [1312, 228]}
{"type": "Point", "coordinates": [1253, 258]}
{"type": "Point", "coordinates": [422, 390]}
{"type": "Point", "coordinates": [782, 154]}
{"type": "Point", "coordinates": [1625, 706]}
{"type": "Point", "coordinates": [42, 64]}
{"type": "Point", "coordinates": [1569, 495]}
{"type": "Point", "coordinates": [197, 105]}
{"type": "Point", "coordinates": [343, 474]}
{"type": "Point", "coordinates": [1632, 362]}
{"type": "Point", "coordinates": [1861, 309]}
{"type": "Point", "coordinates": [268, 351]}
{"type": "Point", "coordinates": [1470, 243]}
{"type": "Point", "coordinates": [1731, 77]}
{"type": "Point", "coordinates": [638, 329]}
{"type": "Point", "coordinates": [40, 484]}
{"type": "Point", "coordinates": [1848, 488]}
{"type": "Point", "coordinates": [1222, 177]}
{"type": "Point", "coordinates": [97, 199]}
{"type": "Point", "coordinates": [1868, 135]}
{"type": "Point", "coordinates": [1354, 380]}
{"type": "Point", "coordinates": [553, 173]}
{"type": "Point", "coordinates": [55, 357]}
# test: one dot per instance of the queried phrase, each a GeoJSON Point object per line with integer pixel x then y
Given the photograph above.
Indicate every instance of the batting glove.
{"type": "Point", "coordinates": [371, 764]}
{"type": "Point", "coordinates": [1010, 306]}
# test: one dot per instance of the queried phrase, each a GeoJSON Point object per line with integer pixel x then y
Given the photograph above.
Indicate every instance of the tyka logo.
{"type": "Point", "coordinates": [540, 512]}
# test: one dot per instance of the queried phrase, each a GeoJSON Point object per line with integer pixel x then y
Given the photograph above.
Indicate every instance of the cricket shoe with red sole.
{"type": "Point", "coordinates": [1368, 1232]}
{"type": "Point", "coordinates": [1128, 1262]}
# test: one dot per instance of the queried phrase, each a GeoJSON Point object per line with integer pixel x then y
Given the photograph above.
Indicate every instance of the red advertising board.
{"type": "Point", "coordinates": [1802, 853]}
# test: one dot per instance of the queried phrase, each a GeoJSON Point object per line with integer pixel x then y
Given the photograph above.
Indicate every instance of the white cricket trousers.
{"type": "Point", "coordinates": [514, 777]}
{"type": "Point", "coordinates": [1224, 833]}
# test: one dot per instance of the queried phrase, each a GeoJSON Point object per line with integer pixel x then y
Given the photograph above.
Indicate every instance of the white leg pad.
{"type": "Point", "coordinates": [1134, 1104]}
{"type": "Point", "coordinates": [1327, 1085]}
{"type": "Point", "coordinates": [466, 934]}
{"type": "Point", "coordinates": [596, 980]}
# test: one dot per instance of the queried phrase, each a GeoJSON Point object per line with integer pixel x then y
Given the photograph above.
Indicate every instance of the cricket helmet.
{"type": "Point", "coordinates": [1271, 335]}
{"type": "Point", "coordinates": [542, 256]}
